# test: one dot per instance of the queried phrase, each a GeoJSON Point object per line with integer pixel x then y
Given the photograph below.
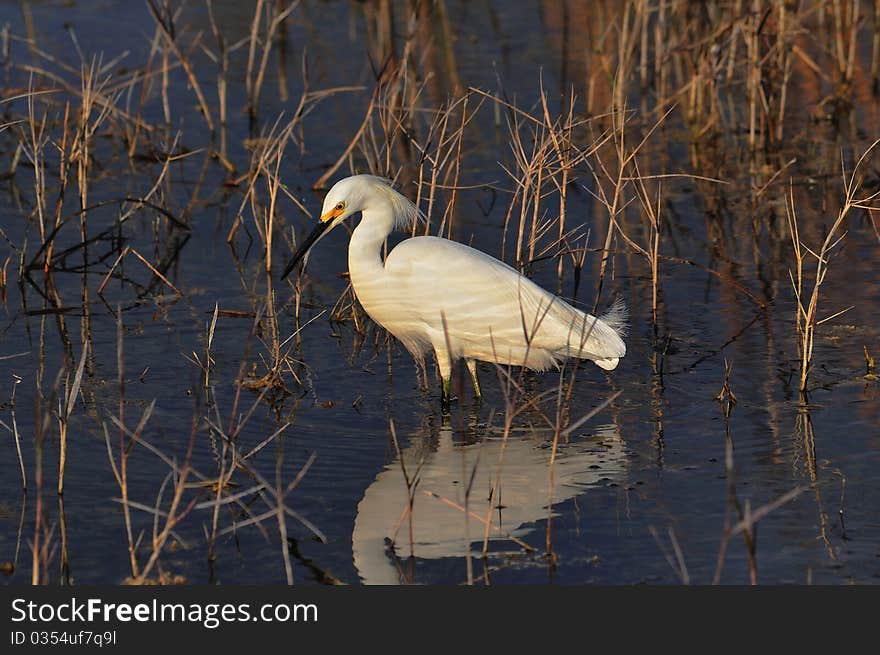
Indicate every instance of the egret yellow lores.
{"type": "Point", "coordinates": [435, 294]}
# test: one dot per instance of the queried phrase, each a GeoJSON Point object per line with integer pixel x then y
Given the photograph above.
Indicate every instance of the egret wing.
{"type": "Point", "coordinates": [491, 311]}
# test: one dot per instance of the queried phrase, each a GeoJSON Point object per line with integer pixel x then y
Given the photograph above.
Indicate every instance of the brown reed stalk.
{"type": "Point", "coordinates": [651, 206]}
{"type": "Point", "coordinates": [38, 139]}
{"type": "Point", "coordinates": [16, 381]}
{"type": "Point", "coordinates": [122, 472]}
{"type": "Point", "coordinates": [222, 60]}
{"type": "Point", "coordinates": [176, 512]}
{"type": "Point", "coordinates": [875, 48]}
{"type": "Point", "coordinates": [411, 483]}
{"type": "Point", "coordinates": [252, 52]}
{"type": "Point", "coordinates": [321, 182]}
{"type": "Point", "coordinates": [615, 199]}
{"type": "Point", "coordinates": [753, 50]}
{"type": "Point", "coordinates": [806, 318]}
{"type": "Point", "coordinates": [531, 163]}
{"type": "Point", "coordinates": [4, 279]}
{"type": "Point", "coordinates": [561, 137]}
{"type": "Point", "coordinates": [62, 176]}
{"type": "Point", "coordinates": [253, 84]}
{"type": "Point", "coordinates": [845, 14]}
{"type": "Point", "coordinates": [65, 552]}
{"type": "Point", "coordinates": [562, 431]}
{"type": "Point", "coordinates": [40, 427]}
{"type": "Point", "coordinates": [166, 24]}
{"type": "Point", "coordinates": [66, 404]}
{"type": "Point", "coordinates": [125, 251]}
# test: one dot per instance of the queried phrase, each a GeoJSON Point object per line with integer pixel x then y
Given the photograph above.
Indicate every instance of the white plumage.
{"type": "Point", "coordinates": [436, 294]}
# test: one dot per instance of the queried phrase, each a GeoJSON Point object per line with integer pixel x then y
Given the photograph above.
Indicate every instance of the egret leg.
{"type": "Point", "coordinates": [446, 399]}
{"type": "Point", "coordinates": [445, 366]}
{"type": "Point", "coordinates": [472, 369]}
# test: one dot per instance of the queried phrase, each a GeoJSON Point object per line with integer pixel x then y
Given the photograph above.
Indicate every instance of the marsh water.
{"type": "Point", "coordinates": [646, 491]}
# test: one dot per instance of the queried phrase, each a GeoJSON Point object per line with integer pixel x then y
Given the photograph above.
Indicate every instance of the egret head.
{"type": "Point", "coordinates": [343, 200]}
{"type": "Point", "coordinates": [349, 196]}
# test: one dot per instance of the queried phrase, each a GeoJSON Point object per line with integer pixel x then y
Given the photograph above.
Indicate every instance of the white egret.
{"type": "Point", "coordinates": [433, 293]}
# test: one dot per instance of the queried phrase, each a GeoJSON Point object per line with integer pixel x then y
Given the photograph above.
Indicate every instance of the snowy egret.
{"type": "Point", "coordinates": [433, 293]}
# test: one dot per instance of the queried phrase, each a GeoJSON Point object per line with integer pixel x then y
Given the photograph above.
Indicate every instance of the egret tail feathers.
{"type": "Point", "coordinates": [602, 338]}
{"type": "Point", "coordinates": [617, 318]}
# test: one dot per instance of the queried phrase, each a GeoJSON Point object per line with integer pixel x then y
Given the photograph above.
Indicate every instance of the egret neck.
{"type": "Point", "coordinates": [365, 265]}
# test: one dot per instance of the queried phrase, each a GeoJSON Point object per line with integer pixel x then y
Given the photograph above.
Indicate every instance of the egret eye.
{"type": "Point", "coordinates": [340, 206]}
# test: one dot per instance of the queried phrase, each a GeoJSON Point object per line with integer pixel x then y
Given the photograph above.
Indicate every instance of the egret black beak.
{"type": "Point", "coordinates": [319, 231]}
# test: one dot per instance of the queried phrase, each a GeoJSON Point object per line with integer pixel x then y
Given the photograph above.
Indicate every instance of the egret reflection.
{"type": "Point", "coordinates": [440, 474]}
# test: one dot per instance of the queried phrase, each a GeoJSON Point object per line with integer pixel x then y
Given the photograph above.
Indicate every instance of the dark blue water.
{"type": "Point", "coordinates": [647, 475]}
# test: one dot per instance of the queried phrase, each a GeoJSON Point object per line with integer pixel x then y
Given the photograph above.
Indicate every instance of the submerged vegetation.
{"type": "Point", "coordinates": [714, 164]}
